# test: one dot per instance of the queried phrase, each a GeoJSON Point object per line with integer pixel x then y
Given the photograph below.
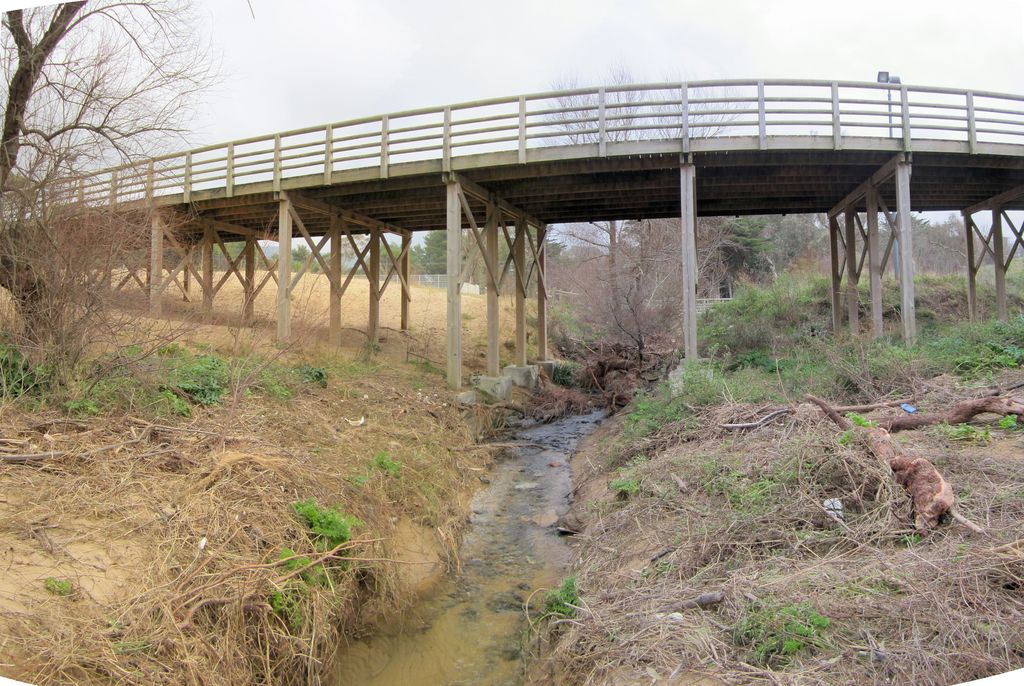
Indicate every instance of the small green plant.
{"type": "Point", "coordinates": [384, 463]}
{"type": "Point", "coordinates": [330, 527]}
{"type": "Point", "coordinates": [1010, 423]}
{"type": "Point", "coordinates": [777, 634]}
{"type": "Point", "coordinates": [312, 575]}
{"type": "Point", "coordinates": [910, 540]}
{"type": "Point", "coordinates": [171, 403]}
{"type": "Point", "coordinates": [562, 601]}
{"type": "Point", "coordinates": [964, 433]}
{"type": "Point", "coordinates": [860, 420]}
{"type": "Point", "coordinates": [203, 378]}
{"type": "Point", "coordinates": [17, 375]}
{"type": "Point", "coordinates": [286, 602]}
{"type": "Point", "coordinates": [55, 586]}
{"type": "Point", "coordinates": [846, 437]}
{"type": "Point", "coordinates": [359, 479]}
{"type": "Point", "coordinates": [625, 488]}
{"type": "Point", "coordinates": [82, 407]}
{"type": "Point", "coordinates": [313, 375]}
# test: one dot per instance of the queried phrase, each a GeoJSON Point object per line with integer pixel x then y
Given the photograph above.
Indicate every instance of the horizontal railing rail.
{"type": "Point", "coordinates": [845, 114]}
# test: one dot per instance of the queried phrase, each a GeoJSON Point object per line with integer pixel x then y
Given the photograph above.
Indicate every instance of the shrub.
{"type": "Point", "coordinates": [313, 375]}
{"type": "Point", "coordinates": [566, 373]}
{"type": "Point", "coordinates": [17, 374]}
{"type": "Point", "coordinates": [286, 602]}
{"type": "Point", "coordinates": [204, 378]}
{"type": "Point", "coordinates": [625, 487]}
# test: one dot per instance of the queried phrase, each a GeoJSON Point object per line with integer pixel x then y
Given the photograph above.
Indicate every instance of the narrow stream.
{"type": "Point", "coordinates": [470, 629]}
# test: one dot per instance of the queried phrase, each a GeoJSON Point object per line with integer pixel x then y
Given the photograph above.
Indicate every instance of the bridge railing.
{"type": "Point", "coordinates": [735, 114]}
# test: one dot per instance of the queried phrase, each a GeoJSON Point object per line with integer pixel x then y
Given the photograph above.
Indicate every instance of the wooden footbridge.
{"type": "Point", "coordinates": [505, 169]}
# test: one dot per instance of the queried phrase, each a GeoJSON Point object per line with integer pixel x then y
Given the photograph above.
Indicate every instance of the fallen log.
{"type": "Point", "coordinates": [930, 493]}
{"type": "Point", "coordinates": [959, 414]}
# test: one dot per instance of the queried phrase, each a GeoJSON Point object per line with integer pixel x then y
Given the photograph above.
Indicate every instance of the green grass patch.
{"type": "Point", "coordinates": [776, 634]}
{"type": "Point", "coordinates": [624, 488]}
{"type": "Point", "coordinates": [964, 433]}
{"type": "Point", "coordinates": [384, 463]}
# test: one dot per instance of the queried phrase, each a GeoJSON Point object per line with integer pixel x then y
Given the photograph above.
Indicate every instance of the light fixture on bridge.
{"type": "Point", "coordinates": [886, 77]}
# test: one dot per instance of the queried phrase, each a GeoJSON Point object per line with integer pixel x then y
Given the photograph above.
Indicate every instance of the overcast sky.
{"type": "Point", "coordinates": [306, 62]}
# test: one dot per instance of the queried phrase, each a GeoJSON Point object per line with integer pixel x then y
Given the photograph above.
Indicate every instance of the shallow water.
{"type": "Point", "coordinates": [471, 628]}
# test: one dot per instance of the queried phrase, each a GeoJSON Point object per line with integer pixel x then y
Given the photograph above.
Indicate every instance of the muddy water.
{"type": "Point", "coordinates": [471, 629]}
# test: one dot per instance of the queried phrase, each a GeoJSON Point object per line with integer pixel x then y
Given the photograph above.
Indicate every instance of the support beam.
{"type": "Point", "coordinates": [874, 264]}
{"type": "Point", "coordinates": [373, 319]}
{"type": "Point", "coordinates": [688, 226]}
{"type": "Point", "coordinates": [542, 295]}
{"type": "Point", "coordinates": [491, 257]}
{"type": "Point", "coordinates": [405, 278]}
{"type": "Point", "coordinates": [156, 265]}
{"type": "Point", "coordinates": [837, 274]}
{"type": "Point", "coordinates": [999, 262]}
{"type": "Point", "coordinates": [249, 283]}
{"type": "Point", "coordinates": [453, 227]}
{"type": "Point", "coordinates": [284, 270]}
{"type": "Point", "coordinates": [852, 296]}
{"type": "Point", "coordinates": [972, 270]}
{"type": "Point", "coordinates": [519, 255]}
{"type": "Point", "coordinates": [208, 241]}
{"type": "Point", "coordinates": [906, 254]}
{"type": "Point", "coordinates": [334, 325]}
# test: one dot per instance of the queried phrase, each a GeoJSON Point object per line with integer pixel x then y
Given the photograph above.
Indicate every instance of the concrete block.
{"type": "Point", "coordinates": [466, 398]}
{"type": "Point", "coordinates": [497, 388]}
{"type": "Point", "coordinates": [525, 377]}
{"type": "Point", "coordinates": [548, 367]}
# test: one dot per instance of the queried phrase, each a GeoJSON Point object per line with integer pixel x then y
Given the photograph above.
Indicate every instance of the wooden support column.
{"type": "Point", "coordinates": [284, 270]}
{"type": "Point", "coordinates": [972, 270]}
{"type": "Point", "coordinates": [874, 263]}
{"type": "Point", "coordinates": [156, 266]}
{"type": "Point", "coordinates": [373, 320]}
{"type": "Point", "coordinates": [852, 297]}
{"type": "Point", "coordinates": [837, 274]}
{"type": "Point", "coordinates": [688, 225]}
{"type": "Point", "coordinates": [906, 255]}
{"type": "Point", "coordinates": [542, 297]}
{"type": "Point", "coordinates": [249, 285]}
{"type": "Point", "coordinates": [453, 227]}
{"type": "Point", "coordinates": [491, 256]}
{"type": "Point", "coordinates": [208, 241]}
{"type": "Point", "coordinates": [334, 324]}
{"type": "Point", "coordinates": [187, 280]}
{"type": "Point", "coordinates": [406, 278]}
{"type": "Point", "coordinates": [999, 261]}
{"type": "Point", "coordinates": [519, 257]}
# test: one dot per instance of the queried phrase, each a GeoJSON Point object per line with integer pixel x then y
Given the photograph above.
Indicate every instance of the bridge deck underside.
{"type": "Point", "coordinates": [647, 186]}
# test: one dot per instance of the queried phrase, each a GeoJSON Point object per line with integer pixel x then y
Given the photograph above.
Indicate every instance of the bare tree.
{"type": "Point", "coordinates": [88, 84]}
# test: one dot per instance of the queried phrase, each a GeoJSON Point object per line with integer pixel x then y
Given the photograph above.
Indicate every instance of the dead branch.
{"type": "Point", "coordinates": [959, 414]}
{"type": "Point", "coordinates": [760, 422]}
{"type": "Point", "coordinates": [930, 493]}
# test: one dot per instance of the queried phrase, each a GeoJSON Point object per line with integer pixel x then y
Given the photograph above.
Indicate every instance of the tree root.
{"type": "Point", "coordinates": [960, 413]}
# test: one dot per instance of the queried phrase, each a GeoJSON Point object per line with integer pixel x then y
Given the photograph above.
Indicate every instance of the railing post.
{"type": "Point", "coordinates": [187, 189]}
{"type": "Point", "coordinates": [384, 146]}
{"type": "Point", "coordinates": [684, 133]}
{"type": "Point", "coordinates": [81, 190]}
{"type": "Point", "coordinates": [602, 124]}
{"type": "Point", "coordinates": [328, 154]}
{"type": "Point", "coordinates": [522, 129]}
{"type": "Point", "coordinates": [113, 187]}
{"type": "Point", "coordinates": [972, 129]}
{"type": "Point", "coordinates": [446, 144]}
{"type": "Point", "coordinates": [905, 115]}
{"type": "Point", "coordinates": [762, 129]}
{"type": "Point", "coordinates": [150, 190]}
{"type": "Point", "coordinates": [229, 182]}
{"type": "Point", "coordinates": [277, 163]}
{"type": "Point", "coordinates": [837, 131]}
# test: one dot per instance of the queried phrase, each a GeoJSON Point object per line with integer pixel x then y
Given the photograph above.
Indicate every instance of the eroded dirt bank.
{"type": "Point", "coordinates": [709, 555]}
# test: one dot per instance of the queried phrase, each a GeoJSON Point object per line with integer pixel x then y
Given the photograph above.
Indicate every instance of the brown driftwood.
{"type": "Point", "coordinates": [960, 413]}
{"type": "Point", "coordinates": [930, 493]}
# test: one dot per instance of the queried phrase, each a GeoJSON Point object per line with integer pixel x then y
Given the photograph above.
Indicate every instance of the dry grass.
{"type": "Point", "coordinates": [742, 514]}
{"type": "Point", "coordinates": [172, 541]}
